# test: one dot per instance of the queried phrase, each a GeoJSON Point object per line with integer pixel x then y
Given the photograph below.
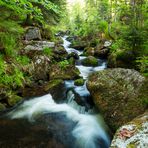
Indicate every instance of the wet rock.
{"type": "Point", "coordinates": [52, 130]}
{"type": "Point", "coordinates": [119, 94]}
{"type": "Point", "coordinates": [90, 61]}
{"type": "Point", "coordinates": [73, 55]}
{"type": "Point", "coordinates": [79, 82]}
{"type": "Point", "coordinates": [33, 33]}
{"type": "Point", "coordinates": [132, 134]}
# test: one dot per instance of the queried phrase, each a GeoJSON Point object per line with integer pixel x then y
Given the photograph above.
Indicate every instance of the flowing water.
{"type": "Point", "coordinates": [41, 122]}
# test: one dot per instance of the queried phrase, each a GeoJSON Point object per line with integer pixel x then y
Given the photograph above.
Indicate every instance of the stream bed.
{"type": "Point", "coordinates": [42, 123]}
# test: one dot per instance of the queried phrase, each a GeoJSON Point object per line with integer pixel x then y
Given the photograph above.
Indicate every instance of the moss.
{"type": "Point", "coordinates": [131, 145]}
{"type": "Point", "coordinates": [79, 82]}
{"type": "Point", "coordinates": [2, 107]}
{"type": "Point", "coordinates": [52, 84]}
{"type": "Point", "coordinates": [68, 73]}
{"type": "Point", "coordinates": [14, 99]}
{"type": "Point", "coordinates": [90, 61]}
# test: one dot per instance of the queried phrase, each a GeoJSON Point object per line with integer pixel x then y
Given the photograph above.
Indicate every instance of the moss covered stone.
{"type": "Point", "coordinates": [119, 94]}
{"type": "Point", "coordinates": [14, 99]}
{"type": "Point", "coordinates": [52, 84]}
{"type": "Point", "coordinates": [90, 61]}
{"type": "Point", "coordinates": [67, 72]}
{"type": "Point", "coordinates": [2, 107]}
{"type": "Point", "coordinates": [79, 82]}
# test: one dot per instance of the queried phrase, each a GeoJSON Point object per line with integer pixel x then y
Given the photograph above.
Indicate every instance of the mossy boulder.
{"type": "Point", "coordinates": [39, 90]}
{"type": "Point", "coordinates": [79, 82]}
{"type": "Point", "coordinates": [63, 71]}
{"type": "Point", "coordinates": [122, 59]}
{"type": "Point", "coordinates": [90, 61]}
{"type": "Point", "coordinates": [132, 134]}
{"type": "Point", "coordinates": [119, 94]}
{"type": "Point", "coordinates": [79, 44]}
{"type": "Point", "coordinates": [89, 51]}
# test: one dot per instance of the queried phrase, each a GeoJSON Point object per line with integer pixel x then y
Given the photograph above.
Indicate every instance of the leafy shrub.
{"type": "Point", "coordinates": [11, 78]}
{"type": "Point", "coordinates": [63, 64]}
{"type": "Point", "coordinates": [143, 64]}
{"type": "Point", "coordinates": [47, 51]}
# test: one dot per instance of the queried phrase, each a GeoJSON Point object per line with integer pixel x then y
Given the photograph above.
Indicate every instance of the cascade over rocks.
{"type": "Point", "coordinates": [119, 94]}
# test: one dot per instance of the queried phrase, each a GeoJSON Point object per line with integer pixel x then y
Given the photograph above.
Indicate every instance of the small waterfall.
{"type": "Point", "coordinates": [71, 102]}
{"type": "Point", "coordinates": [88, 130]}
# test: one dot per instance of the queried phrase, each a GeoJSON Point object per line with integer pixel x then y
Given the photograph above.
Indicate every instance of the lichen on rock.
{"type": "Point", "coordinates": [119, 94]}
{"type": "Point", "coordinates": [133, 134]}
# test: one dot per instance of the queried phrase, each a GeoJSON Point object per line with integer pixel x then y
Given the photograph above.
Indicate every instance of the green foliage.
{"type": "Point", "coordinates": [9, 43]}
{"type": "Point", "coordinates": [47, 51]}
{"type": "Point", "coordinates": [143, 64]}
{"type": "Point", "coordinates": [79, 82]}
{"type": "Point", "coordinates": [63, 64]}
{"type": "Point", "coordinates": [10, 77]}
{"type": "Point", "coordinates": [24, 60]}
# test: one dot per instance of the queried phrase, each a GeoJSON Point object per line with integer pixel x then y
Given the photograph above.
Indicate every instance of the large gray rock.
{"type": "Point", "coordinates": [119, 94]}
{"type": "Point", "coordinates": [39, 67]}
{"type": "Point", "coordinates": [33, 33]}
{"type": "Point", "coordinates": [133, 134]}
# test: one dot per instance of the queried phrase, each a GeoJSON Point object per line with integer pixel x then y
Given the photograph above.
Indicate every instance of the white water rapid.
{"type": "Point", "coordinates": [88, 130]}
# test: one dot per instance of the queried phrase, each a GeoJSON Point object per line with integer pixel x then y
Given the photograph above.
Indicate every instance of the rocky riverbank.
{"type": "Point", "coordinates": [42, 66]}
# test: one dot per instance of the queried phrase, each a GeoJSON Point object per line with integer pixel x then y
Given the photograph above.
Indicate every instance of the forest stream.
{"type": "Point", "coordinates": [41, 122]}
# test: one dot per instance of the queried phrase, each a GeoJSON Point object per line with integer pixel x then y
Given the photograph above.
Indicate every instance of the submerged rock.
{"type": "Point", "coordinates": [90, 61]}
{"type": "Point", "coordinates": [73, 55]}
{"type": "Point", "coordinates": [132, 134]}
{"type": "Point", "coordinates": [53, 86]}
{"type": "Point", "coordinates": [119, 94]}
